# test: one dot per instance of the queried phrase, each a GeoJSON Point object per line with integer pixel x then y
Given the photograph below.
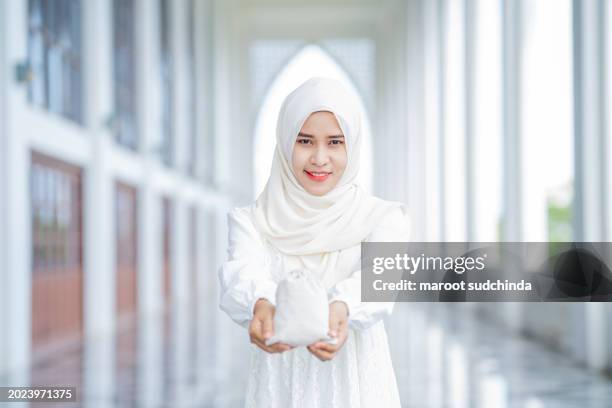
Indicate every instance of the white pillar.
{"type": "Point", "coordinates": [414, 153]}
{"type": "Point", "coordinates": [18, 276]}
{"type": "Point", "coordinates": [589, 115]}
{"type": "Point", "coordinates": [223, 114]}
{"type": "Point", "coordinates": [589, 324]}
{"type": "Point", "coordinates": [205, 142]}
{"type": "Point", "coordinates": [512, 172]}
{"type": "Point", "coordinates": [432, 113]}
{"type": "Point", "coordinates": [150, 278]}
{"type": "Point", "coordinates": [99, 292]}
{"type": "Point", "coordinates": [607, 32]}
{"type": "Point", "coordinates": [180, 108]}
{"type": "Point", "coordinates": [3, 193]}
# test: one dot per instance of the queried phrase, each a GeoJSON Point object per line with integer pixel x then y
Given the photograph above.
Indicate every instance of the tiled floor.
{"type": "Point", "coordinates": [443, 357]}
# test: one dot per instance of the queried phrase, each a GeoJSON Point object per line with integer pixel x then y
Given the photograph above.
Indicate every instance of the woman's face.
{"type": "Point", "coordinates": [319, 154]}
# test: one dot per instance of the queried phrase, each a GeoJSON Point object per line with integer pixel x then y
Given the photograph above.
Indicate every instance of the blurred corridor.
{"type": "Point", "coordinates": [129, 128]}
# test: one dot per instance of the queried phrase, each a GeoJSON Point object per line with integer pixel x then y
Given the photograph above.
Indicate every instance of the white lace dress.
{"type": "Point", "coordinates": [361, 375]}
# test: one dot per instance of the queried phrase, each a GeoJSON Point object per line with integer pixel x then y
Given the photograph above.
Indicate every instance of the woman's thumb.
{"type": "Point", "coordinates": [268, 329]}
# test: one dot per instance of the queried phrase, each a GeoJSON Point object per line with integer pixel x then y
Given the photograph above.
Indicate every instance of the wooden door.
{"type": "Point", "coordinates": [57, 245]}
{"type": "Point", "coordinates": [126, 212]}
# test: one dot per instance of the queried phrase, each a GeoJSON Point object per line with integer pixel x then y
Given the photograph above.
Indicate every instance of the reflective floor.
{"type": "Point", "coordinates": [443, 357]}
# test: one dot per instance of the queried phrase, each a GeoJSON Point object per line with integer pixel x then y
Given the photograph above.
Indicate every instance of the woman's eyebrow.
{"type": "Point", "coordinates": [329, 137]}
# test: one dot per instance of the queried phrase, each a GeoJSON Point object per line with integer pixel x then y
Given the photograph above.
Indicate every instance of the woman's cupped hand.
{"type": "Point", "coordinates": [338, 329]}
{"type": "Point", "coordinates": [262, 327]}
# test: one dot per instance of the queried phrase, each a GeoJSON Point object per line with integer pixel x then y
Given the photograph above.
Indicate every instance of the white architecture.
{"type": "Point", "coordinates": [455, 133]}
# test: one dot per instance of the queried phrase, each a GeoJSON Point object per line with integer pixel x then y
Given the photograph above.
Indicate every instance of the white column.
{"type": "Point", "coordinates": [180, 243]}
{"type": "Point", "coordinates": [607, 204]}
{"type": "Point", "coordinates": [512, 172]}
{"type": "Point", "coordinates": [98, 211]}
{"type": "Point", "coordinates": [607, 32]}
{"type": "Point", "coordinates": [432, 81]}
{"type": "Point", "coordinates": [414, 154]}
{"type": "Point", "coordinates": [589, 328]}
{"type": "Point", "coordinates": [181, 124]}
{"type": "Point", "coordinates": [150, 278]}
{"type": "Point", "coordinates": [4, 311]}
{"type": "Point", "coordinates": [222, 120]}
{"type": "Point", "coordinates": [18, 277]}
{"type": "Point", "coordinates": [385, 118]}
{"type": "Point", "coordinates": [511, 39]}
{"type": "Point", "coordinates": [205, 143]}
{"type": "Point", "coordinates": [589, 122]}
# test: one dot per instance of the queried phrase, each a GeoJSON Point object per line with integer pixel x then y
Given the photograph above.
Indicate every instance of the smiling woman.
{"type": "Point", "coordinates": [319, 156]}
{"type": "Point", "coordinates": [312, 216]}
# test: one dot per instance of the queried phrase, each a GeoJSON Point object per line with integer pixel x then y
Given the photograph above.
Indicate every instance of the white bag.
{"type": "Point", "coordinates": [302, 311]}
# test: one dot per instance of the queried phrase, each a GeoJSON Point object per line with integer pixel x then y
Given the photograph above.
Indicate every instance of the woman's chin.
{"type": "Point", "coordinates": [318, 190]}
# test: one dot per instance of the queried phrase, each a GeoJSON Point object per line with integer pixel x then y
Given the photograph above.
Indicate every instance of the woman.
{"type": "Point", "coordinates": [313, 215]}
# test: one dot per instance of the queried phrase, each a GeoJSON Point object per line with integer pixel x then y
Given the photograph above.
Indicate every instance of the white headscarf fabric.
{"type": "Point", "coordinates": [297, 222]}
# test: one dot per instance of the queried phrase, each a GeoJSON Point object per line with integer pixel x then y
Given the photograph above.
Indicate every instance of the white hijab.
{"type": "Point", "coordinates": [297, 222]}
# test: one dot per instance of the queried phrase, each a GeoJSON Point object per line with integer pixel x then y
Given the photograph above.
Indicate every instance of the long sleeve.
{"type": "Point", "coordinates": [395, 227]}
{"type": "Point", "coordinates": [246, 274]}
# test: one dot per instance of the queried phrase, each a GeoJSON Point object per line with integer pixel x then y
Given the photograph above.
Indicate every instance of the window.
{"type": "Point", "coordinates": [166, 69]}
{"type": "Point", "coordinates": [54, 55]}
{"type": "Point", "coordinates": [124, 81]}
{"type": "Point", "coordinates": [56, 216]}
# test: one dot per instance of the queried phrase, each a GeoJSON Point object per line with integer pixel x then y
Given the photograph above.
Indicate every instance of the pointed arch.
{"type": "Point", "coordinates": [310, 61]}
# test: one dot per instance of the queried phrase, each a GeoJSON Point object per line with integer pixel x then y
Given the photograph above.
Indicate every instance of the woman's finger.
{"type": "Point", "coordinates": [262, 345]}
{"type": "Point", "coordinates": [280, 347]}
{"type": "Point", "coordinates": [331, 348]}
{"type": "Point", "coordinates": [321, 354]}
{"type": "Point", "coordinates": [273, 348]}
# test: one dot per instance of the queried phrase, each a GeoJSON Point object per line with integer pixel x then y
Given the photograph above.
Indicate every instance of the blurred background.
{"type": "Point", "coordinates": [129, 128]}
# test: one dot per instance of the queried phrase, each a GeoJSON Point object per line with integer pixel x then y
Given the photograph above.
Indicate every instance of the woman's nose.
{"type": "Point", "coordinates": [319, 157]}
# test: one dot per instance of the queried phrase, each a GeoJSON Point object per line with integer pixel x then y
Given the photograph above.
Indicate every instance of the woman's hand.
{"type": "Point", "coordinates": [338, 328]}
{"type": "Point", "coordinates": [262, 327]}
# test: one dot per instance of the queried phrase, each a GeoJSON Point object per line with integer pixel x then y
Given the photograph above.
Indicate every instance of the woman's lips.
{"type": "Point", "coordinates": [317, 176]}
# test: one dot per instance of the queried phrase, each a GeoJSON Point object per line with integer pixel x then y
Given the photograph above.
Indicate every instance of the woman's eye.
{"type": "Point", "coordinates": [303, 141]}
{"type": "Point", "coordinates": [337, 142]}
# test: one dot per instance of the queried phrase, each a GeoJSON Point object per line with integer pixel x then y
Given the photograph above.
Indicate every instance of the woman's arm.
{"type": "Point", "coordinates": [245, 276]}
{"type": "Point", "coordinates": [394, 228]}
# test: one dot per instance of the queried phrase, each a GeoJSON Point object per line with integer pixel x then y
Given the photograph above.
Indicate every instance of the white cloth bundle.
{"type": "Point", "coordinates": [302, 311]}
